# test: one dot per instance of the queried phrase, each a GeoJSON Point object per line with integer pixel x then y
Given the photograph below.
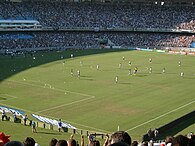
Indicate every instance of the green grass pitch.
{"type": "Point", "coordinates": [94, 102]}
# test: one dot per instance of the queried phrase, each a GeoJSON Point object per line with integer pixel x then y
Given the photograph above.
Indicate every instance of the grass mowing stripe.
{"type": "Point", "coordinates": [161, 115]}
{"type": "Point", "coordinates": [66, 104]}
{"type": "Point", "coordinates": [8, 95]}
{"type": "Point", "coordinates": [96, 129]}
{"type": "Point", "coordinates": [60, 105]}
{"type": "Point", "coordinates": [61, 90]}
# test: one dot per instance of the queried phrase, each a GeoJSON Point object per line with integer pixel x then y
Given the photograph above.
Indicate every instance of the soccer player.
{"type": "Point", "coordinates": [97, 66]}
{"type": "Point", "coordinates": [71, 72]}
{"type": "Point", "coordinates": [129, 63]}
{"type": "Point", "coordinates": [81, 63]}
{"type": "Point", "coordinates": [150, 70]}
{"type": "Point", "coordinates": [135, 71]}
{"type": "Point", "coordinates": [120, 65]}
{"type": "Point", "coordinates": [129, 71]}
{"type": "Point", "coordinates": [123, 58]}
{"type": "Point", "coordinates": [71, 55]}
{"type": "Point", "coordinates": [179, 62]}
{"type": "Point", "coordinates": [78, 74]}
{"type": "Point", "coordinates": [63, 62]}
{"type": "Point", "coordinates": [116, 79]}
{"type": "Point", "coordinates": [182, 74]}
{"type": "Point", "coordinates": [163, 70]}
{"type": "Point", "coordinates": [150, 60]}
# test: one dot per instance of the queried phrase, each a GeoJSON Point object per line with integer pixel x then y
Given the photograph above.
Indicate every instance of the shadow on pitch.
{"type": "Point", "coordinates": [140, 75]}
{"type": "Point", "coordinates": [86, 78]}
{"type": "Point", "coordinates": [125, 83]}
{"type": "Point", "coordinates": [2, 98]}
{"type": "Point", "coordinates": [189, 77]}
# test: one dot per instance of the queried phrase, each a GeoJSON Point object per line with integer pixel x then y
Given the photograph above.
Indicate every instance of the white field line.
{"type": "Point", "coordinates": [8, 95]}
{"type": "Point", "coordinates": [61, 90]}
{"type": "Point", "coordinates": [161, 116]}
{"type": "Point", "coordinates": [65, 104]}
{"type": "Point", "coordinates": [89, 97]}
{"type": "Point", "coordinates": [88, 127]}
{"type": "Point", "coordinates": [16, 107]}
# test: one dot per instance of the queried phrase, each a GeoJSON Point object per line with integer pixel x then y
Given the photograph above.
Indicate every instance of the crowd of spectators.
{"type": "Point", "coordinates": [101, 15]}
{"type": "Point", "coordinates": [97, 15]}
{"type": "Point", "coordinates": [93, 39]}
{"type": "Point", "coordinates": [118, 138]}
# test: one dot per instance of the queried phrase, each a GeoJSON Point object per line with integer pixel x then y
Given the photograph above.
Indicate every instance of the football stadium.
{"type": "Point", "coordinates": [97, 72]}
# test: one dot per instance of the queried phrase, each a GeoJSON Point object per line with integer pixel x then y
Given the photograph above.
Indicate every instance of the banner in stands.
{"type": "Point", "coordinates": [52, 121]}
{"type": "Point", "coordinates": [143, 49]}
{"type": "Point", "coordinates": [160, 51]}
{"type": "Point", "coordinates": [11, 110]}
{"type": "Point", "coordinates": [181, 53]}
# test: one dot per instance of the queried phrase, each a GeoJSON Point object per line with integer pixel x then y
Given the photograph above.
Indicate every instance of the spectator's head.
{"type": "Point", "coordinates": [96, 143]}
{"type": "Point", "coordinates": [134, 143]}
{"type": "Point", "coordinates": [121, 136]}
{"type": "Point", "coordinates": [61, 143]}
{"type": "Point", "coordinates": [168, 139]}
{"type": "Point", "coordinates": [72, 142]}
{"type": "Point", "coordinates": [119, 144]}
{"type": "Point", "coordinates": [29, 141]}
{"type": "Point", "coordinates": [53, 142]}
{"type": "Point", "coordinates": [36, 144]}
{"type": "Point", "coordinates": [180, 140]}
{"type": "Point", "coordinates": [144, 143]}
{"type": "Point", "coordinates": [189, 135]}
{"type": "Point", "coordinates": [192, 141]}
{"type": "Point", "coordinates": [14, 143]}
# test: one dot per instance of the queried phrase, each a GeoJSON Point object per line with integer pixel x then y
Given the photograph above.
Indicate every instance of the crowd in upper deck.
{"type": "Point", "coordinates": [61, 14]}
{"type": "Point", "coordinates": [97, 15]}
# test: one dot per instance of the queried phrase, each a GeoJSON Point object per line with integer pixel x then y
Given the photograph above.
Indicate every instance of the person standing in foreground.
{"type": "Point", "coordinates": [25, 119]}
{"type": "Point", "coordinates": [4, 115]}
{"type": "Point", "coordinates": [33, 127]}
{"type": "Point", "coordinates": [59, 125]}
{"type": "Point", "coordinates": [121, 137]}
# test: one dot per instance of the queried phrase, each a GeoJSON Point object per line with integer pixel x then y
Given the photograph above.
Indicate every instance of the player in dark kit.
{"type": "Point", "coordinates": [135, 70]}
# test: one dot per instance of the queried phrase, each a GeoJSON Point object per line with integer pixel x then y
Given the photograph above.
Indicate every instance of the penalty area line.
{"type": "Point", "coordinates": [56, 118]}
{"type": "Point", "coordinates": [163, 115]}
{"type": "Point", "coordinates": [56, 89]}
{"type": "Point", "coordinates": [7, 96]}
{"type": "Point", "coordinates": [65, 104]}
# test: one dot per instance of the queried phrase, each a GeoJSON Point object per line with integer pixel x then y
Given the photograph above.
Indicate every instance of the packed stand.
{"type": "Point", "coordinates": [91, 40]}
{"type": "Point", "coordinates": [101, 15]}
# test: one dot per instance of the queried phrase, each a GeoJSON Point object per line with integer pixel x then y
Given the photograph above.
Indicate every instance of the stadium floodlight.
{"type": "Point", "coordinates": [162, 3]}
{"type": "Point", "coordinates": [156, 3]}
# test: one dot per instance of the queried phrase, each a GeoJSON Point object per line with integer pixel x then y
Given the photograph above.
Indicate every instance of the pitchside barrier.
{"type": "Point", "coordinates": [54, 127]}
